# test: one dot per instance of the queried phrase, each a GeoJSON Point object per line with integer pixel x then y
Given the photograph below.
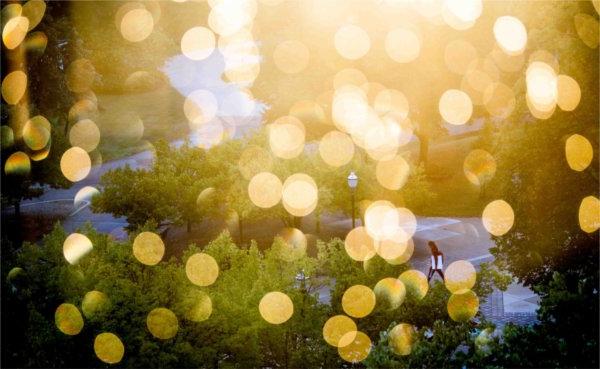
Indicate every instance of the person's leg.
{"type": "Point", "coordinates": [429, 274]}
{"type": "Point", "coordinates": [440, 273]}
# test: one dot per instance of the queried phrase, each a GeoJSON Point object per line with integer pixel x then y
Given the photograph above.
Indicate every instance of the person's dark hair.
{"type": "Point", "coordinates": [433, 247]}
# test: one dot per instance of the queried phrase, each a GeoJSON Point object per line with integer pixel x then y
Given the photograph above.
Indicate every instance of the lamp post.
{"type": "Point", "coordinates": [352, 183]}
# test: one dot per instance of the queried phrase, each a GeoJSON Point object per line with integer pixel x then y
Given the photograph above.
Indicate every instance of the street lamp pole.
{"type": "Point", "coordinates": [352, 183]}
{"type": "Point", "coordinates": [353, 212]}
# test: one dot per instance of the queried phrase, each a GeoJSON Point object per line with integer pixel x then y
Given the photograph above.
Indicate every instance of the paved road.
{"type": "Point", "coordinates": [458, 238]}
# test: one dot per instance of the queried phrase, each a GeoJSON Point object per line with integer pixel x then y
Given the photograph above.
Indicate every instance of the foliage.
{"type": "Point", "coordinates": [234, 335]}
{"type": "Point", "coordinates": [51, 99]}
{"type": "Point", "coordinates": [546, 249]}
{"type": "Point", "coordinates": [169, 190]}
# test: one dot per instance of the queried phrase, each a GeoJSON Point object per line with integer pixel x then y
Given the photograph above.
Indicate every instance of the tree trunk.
{"type": "Point", "coordinates": [423, 149]}
{"type": "Point", "coordinates": [67, 127]}
{"type": "Point", "coordinates": [241, 230]}
{"type": "Point", "coordinates": [189, 226]}
{"type": "Point", "coordinates": [17, 210]}
{"type": "Point", "coordinates": [297, 222]}
{"type": "Point", "coordinates": [318, 224]}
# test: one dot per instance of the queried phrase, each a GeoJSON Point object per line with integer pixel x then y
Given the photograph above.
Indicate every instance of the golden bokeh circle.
{"type": "Point", "coordinates": [358, 349]}
{"type": "Point", "coordinates": [202, 269]}
{"type": "Point", "coordinates": [402, 339]}
{"type": "Point", "coordinates": [391, 101]}
{"type": "Point", "coordinates": [34, 11]}
{"type": "Point", "coordinates": [85, 134]}
{"type": "Point", "coordinates": [148, 248]}
{"type": "Point", "coordinates": [381, 220]}
{"type": "Point", "coordinates": [84, 195]}
{"type": "Point", "coordinates": [76, 246]}
{"type": "Point", "coordinates": [14, 31]}
{"type": "Point", "coordinates": [299, 194]}
{"type": "Point", "coordinates": [17, 164]}
{"type": "Point", "coordinates": [542, 86]}
{"type": "Point", "coordinates": [589, 214]}
{"type": "Point", "coordinates": [384, 221]}
{"type": "Point", "coordinates": [389, 293]}
{"type": "Point", "coordinates": [14, 86]}
{"type": "Point", "coordinates": [455, 107]}
{"type": "Point", "coordinates": [569, 92]}
{"type": "Point", "coordinates": [308, 111]}
{"type": "Point", "coordinates": [337, 327]}
{"type": "Point", "coordinates": [392, 174]}
{"type": "Point", "coordinates": [136, 25]}
{"type": "Point", "coordinates": [75, 164]}
{"type": "Point", "coordinates": [545, 57]}
{"type": "Point", "coordinates": [226, 18]}
{"type": "Point", "coordinates": [109, 348]}
{"type": "Point", "coordinates": [579, 152]}
{"type": "Point", "coordinates": [198, 43]}
{"type": "Point", "coordinates": [162, 323]}
{"type": "Point", "coordinates": [15, 275]}
{"type": "Point", "coordinates": [336, 148]}
{"type": "Point", "coordinates": [276, 307]}
{"type": "Point", "coordinates": [286, 137]}
{"type": "Point", "coordinates": [463, 306]}
{"type": "Point", "coordinates": [391, 249]}
{"type": "Point", "coordinates": [464, 12]}
{"type": "Point", "coordinates": [352, 42]}
{"type": "Point", "coordinates": [200, 307]}
{"type": "Point", "coordinates": [264, 190]}
{"type": "Point", "coordinates": [415, 282]}
{"type": "Point", "coordinates": [80, 75]}
{"type": "Point", "coordinates": [294, 244]}
{"type": "Point", "coordinates": [200, 107]}
{"type": "Point", "coordinates": [94, 302]}
{"type": "Point", "coordinates": [359, 245]}
{"type": "Point", "coordinates": [7, 136]}
{"type": "Point", "coordinates": [510, 34]}
{"type": "Point", "coordinates": [358, 301]}
{"type": "Point", "coordinates": [41, 154]}
{"type": "Point", "coordinates": [586, 27]}
{"type": "Point", "coordinates": [205, 196]}
{"type": "Point", "coordinates": [460, 275]}
{"type": "Point", "coordinates": [479, 167]}
{"type": "Point", "coordinates": [291, 56]}
{"type": "Point", "coordinates": [85, 108]}
{"type": "Point", "coordinates": [68, 319]}
{"type": "Point", "coordinates": [402, 45]}
{"type": "Point", "coordinates": [498, 217]}
{"type": "Point", "coordinates": [36, 132]}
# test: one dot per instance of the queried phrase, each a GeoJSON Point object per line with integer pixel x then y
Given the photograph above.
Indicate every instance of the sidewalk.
{"type": "Point", "coordinates": [516, 305]}
{"type": "Point", "coordinates": [467, 239]}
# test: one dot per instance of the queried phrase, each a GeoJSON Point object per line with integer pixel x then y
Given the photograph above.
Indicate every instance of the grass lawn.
{"type": "Point", "coordinates": [129, 121]}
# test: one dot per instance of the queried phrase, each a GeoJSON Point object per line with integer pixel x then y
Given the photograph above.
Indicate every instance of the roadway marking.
{"type": "Point", "coordinates": [87, 203]}
{"type": "Point", "coordinates": [41, 202]}
{"type": "Point", "coordinates": [480, 257]}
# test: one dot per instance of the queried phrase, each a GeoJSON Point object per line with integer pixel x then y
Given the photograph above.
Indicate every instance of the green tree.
{"type": "Point", "coordinates": [167, 192]}
{"type": "Point", "coordinates": [47, 95]}
{"type": "Point", "coordinates": [546, 248]}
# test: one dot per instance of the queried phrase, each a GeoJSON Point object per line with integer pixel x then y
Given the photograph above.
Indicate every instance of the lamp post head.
{"type": "Point", "coordinates": [352, 180]}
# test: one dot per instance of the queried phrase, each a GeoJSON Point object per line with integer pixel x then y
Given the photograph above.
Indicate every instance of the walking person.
{"type": "Point", "coordinates": [437, 261]}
